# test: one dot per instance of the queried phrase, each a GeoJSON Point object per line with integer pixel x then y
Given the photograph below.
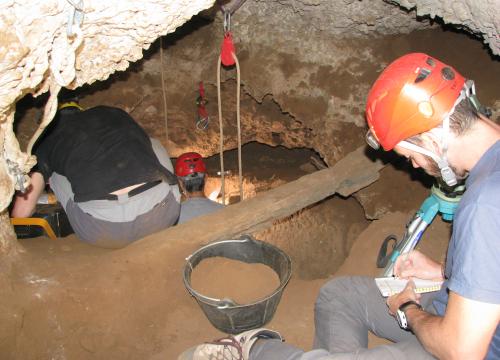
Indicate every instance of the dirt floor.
{"type": "Point", "coordinates": [42, 320]}
{"type": "Point", "coordinates": [64, 299]}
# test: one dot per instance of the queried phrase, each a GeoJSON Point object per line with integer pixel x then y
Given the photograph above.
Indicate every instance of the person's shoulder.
{"type": "Point", "coordinates": [107, 109]}
{"type": "Point", "coordinates": [110, 113]}
{"type": "Point", "coordinates": [215, 203]}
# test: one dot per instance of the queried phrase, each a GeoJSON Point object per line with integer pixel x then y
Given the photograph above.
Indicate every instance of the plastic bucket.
{"type": "Point", "coordinates": [226, 315]}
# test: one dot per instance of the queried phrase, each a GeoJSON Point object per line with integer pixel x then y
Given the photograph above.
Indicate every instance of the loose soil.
{"type": "Point", "coordinates": [51, 307]}
{"type": "Point", "coordinates": [223, 278]}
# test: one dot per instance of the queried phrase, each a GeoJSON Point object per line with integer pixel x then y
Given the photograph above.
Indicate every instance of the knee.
{"type": "Point", "coordinates": [332, 290]}
{"type": "Point", "coordinates": [344, 287]}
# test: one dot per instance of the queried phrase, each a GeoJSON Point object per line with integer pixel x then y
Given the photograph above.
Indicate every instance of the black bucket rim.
{"type": "Point", "coordinates": [220, 303]}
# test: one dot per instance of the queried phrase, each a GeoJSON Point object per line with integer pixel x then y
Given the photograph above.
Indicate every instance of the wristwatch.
{"type": "Point", "coordinates": [401, 316]}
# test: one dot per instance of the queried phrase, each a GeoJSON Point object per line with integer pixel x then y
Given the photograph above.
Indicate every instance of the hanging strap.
{"type": "Point", "coordinates": [163, 89]}
{"type": "Point", "coordinates": [203, 119]}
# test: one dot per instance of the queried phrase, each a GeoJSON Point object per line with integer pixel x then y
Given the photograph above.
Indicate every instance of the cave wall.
{"type": "Point", "coordinates": [480, 17]}
{"type": "Point", "coordinates": [39, 50]}
{"type": "Point", "coordinates": [303, 85]}
{"type": "Point", "coordinates": [306, 65]}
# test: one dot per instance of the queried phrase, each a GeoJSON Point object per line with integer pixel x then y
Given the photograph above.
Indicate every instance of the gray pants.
{"type": "Point", "coordinates": [116, 223]}
{"type": "Point", "coordinates": [346, 309]}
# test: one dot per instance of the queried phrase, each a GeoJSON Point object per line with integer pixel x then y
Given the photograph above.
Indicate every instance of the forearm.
{"type": "Point", "coordinates": [24, 204]}
{"type": "Point", "coordinates": [426, 328]}
{"type": "Point", "coordinates": [434, 337]}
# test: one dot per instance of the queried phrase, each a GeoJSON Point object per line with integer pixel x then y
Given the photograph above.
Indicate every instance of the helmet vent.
{"type": "Point", "coordinates": [431, 62]}
{"type": "Point", "coordinates": [422, 75]}
{"type": "Point", "coordinates": [447, 73]}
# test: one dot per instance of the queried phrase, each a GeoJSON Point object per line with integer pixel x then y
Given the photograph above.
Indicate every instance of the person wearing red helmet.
{"type": "Point", "coordinates": [426, 111]}
{"type": "Point", "coordinates": [191, 171]}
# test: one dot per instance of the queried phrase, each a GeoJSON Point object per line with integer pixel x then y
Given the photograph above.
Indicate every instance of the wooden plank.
{"type": "Point", "coordinates": [350, 174]}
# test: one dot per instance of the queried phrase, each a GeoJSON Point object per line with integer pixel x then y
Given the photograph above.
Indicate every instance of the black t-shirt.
{"type": "Point", "coordinates": [99, 150]}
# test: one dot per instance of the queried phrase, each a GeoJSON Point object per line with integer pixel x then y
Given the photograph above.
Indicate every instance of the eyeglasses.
{"type": "Point", "coordinates": [371, 140]}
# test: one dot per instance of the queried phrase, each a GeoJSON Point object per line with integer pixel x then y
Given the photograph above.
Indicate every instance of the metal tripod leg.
{"type": "Point", "coordinates": [410, 239]}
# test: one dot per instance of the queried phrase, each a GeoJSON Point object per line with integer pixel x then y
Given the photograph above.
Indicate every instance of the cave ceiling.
{"type": "Point", "coordinates": [306, 65]}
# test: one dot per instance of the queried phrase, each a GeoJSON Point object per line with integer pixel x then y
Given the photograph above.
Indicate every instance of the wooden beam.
{"type": "Point", "coordinates": [350, 174]}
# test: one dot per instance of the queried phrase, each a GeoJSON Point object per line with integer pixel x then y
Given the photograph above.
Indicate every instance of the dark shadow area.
{"type": "Point", "coordinates": [196, 23]}
{"type": "Point", "coordinates": [264, 162]}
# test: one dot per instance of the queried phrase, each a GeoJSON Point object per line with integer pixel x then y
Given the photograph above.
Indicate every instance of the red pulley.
{"type": "Point", "coordinates": [227, 50]}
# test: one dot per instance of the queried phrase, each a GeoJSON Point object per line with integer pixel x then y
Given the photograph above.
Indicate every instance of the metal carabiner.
{"type": "Point", "coordinates": [371, 140]}
{"type": "Point", "coordinates": [75, 17]}
{"type": "Point", "coordinates": [20, 177]}
{"type": "Point", "coordinates": [227, 21]}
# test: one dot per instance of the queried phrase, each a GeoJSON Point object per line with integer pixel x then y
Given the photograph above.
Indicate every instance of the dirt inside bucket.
{"type": "Point", "coordinates": [222, 278]}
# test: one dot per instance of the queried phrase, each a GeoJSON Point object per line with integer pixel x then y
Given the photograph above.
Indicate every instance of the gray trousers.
{"type": "Point", "coordinates": [346, 309]}
{"type": "Point", "coordinates": [116, 223]}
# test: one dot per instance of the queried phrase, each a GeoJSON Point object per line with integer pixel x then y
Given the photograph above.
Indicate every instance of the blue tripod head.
{"type": "Point", "coordinates": [443, 199]}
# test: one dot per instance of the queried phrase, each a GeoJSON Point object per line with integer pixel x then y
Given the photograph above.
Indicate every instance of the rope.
{"type": "Point", "coordinates": [63, 52]}
{"type": "Point", "coordinates": [163, 89]}
{"type": "Point", "coordinates": [64, 77]}
{"type": "Point", "coordinates": [240, 171]}
{"type": "Point", "coordinates": [221, 134]}
{"type": "Point", "coordinates": [48, 114]}
{"type": "Point", "coordinates": [221, 131]}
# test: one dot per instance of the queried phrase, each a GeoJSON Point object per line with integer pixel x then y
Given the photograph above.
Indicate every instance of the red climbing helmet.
{"type": "Point", "coordinates": [413, 94]}
{"type": "Point", "coordinates": [189, 163]}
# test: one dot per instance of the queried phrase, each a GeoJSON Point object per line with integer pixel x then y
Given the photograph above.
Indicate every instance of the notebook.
{"type": "Point", "coordinates": [390, 285]}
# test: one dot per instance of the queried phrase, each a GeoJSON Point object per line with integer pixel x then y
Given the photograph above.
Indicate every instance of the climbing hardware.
{"type": "Point", "coordinates": [228, 58]}
{"type": "Point", "coordinates": [202, 118]}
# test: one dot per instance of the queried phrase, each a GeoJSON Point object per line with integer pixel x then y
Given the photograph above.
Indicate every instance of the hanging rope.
{"type": "Point", "coordinates": [228, 58]}
{"type": "Point", "coordinates": [48, 114]}
{"type": "Point", "coordinates": [240, 170]}
{"type": "Point", "coordinates": [62, 66]}
{"type": "Point", "coordinates": [163, 89]}
{"type": "Point", "coordinates": [221, 134]}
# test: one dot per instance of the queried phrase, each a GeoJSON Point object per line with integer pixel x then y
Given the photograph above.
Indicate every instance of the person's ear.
{"type": "Point", "coordinates": [431, 141]}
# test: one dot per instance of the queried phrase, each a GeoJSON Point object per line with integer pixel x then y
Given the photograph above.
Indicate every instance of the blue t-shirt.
{"type": "Point", "coordinates": [197, 206]}
{"type": "Point", "coordinates": [473, 259]}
